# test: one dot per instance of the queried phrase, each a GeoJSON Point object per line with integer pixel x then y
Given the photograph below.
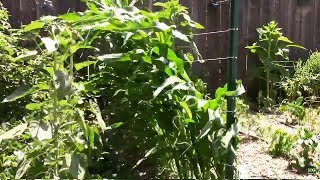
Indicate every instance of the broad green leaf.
{"type": "Point", "coordinates": [94, 107]}
{"type": "Point", "coordinates": [84, 64]}
{"type": "Point", "coordinates": [50, 44]}
{"type": "Point", "coordinates": [187, 121]}
{"type": "Point", "coordinates": [28, 55]}
{"type": "Point", "coordinates": [16, 131]}
{"type": "Point", "coordinates": [21, 92]}
{"type": "Point", "coordinates": [198, 26]}
{"type": "Point", "coordinates": [162, 26]}
{"type": "Point", "coordinates": [34, 106]}
{"type": "Point", "coordinates": [41, 131]}
{"type": "Point", "coordinates": [63, 83]}
{"type": "Point", "coordinates": [180, 36]}
{"type": "Point", "coordinates": [78, 166]}
{"type": "Point", "coordinates": [170, 81]}
{"type": "Point", "coordinates": [33, 26]}
{"type": "Point", "coordinates": [70, 17]}
{"type": "Point", "coordinates": [284, 39]}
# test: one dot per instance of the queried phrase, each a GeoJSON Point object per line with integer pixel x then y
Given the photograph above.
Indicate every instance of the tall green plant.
{"type": "Point", "coordinates": [271, 47]}
{"type": "Point", "coordinates": [57, 137]}
{"type": "Point", "coordinates": [137, 67]}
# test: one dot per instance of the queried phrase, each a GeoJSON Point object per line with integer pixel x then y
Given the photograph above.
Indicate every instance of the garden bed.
{"type": "Point", "coordinates": [253, 157]}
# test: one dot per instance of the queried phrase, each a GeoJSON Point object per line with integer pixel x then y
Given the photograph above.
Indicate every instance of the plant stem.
{"type": "Point", "coordinates": [55, 117]}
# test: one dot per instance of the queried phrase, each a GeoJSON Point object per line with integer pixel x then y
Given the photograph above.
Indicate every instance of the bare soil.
{"type": "Point", "coordinates": [254, 162]}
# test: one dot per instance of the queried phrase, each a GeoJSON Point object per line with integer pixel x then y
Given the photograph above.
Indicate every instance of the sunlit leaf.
{"type": "Point", "coordinates": [33, 26]}
{"type": "Point", "coordinates": [94, 107]}
{"type": "Point", "coordinates": [170, 81]}
{"type": "Point", "coordinates": [23, 167]}
{"type": "Point", "coordinates": [78, 166]}
{"type": "Point", "coordinates": [16, 131]}
{"type": "Point", "coordinates": [28, 55]}
{"type": "Point", "coordinates": [84, 64]}
{"type": "Point", "coordinates": [50, 44]}
{"type": "Point", "coordinates": [21, 92]}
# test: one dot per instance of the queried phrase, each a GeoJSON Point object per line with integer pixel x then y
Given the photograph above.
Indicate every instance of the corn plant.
{"type": "Point", "coordinates": [116, 64]}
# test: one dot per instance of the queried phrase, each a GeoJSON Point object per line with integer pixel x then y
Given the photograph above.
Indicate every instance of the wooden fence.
{"type": "Point", "coordinates": [298, 18]}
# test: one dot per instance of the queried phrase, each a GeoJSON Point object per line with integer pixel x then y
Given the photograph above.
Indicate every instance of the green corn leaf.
{"type": "Point", "coordinates": [170, 81]}
{"type": "Point", "coordinates": [150, 152]}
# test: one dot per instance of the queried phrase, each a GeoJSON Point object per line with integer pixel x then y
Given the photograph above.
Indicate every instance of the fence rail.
{"type": "Point", "coordinates": [298, 18]}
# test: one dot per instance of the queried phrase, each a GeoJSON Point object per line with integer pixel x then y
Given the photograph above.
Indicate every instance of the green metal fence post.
{"type": "Point", "coordinates": [232, 77]}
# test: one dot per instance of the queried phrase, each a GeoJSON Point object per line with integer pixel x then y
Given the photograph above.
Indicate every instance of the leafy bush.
{"type": "Point", "coordinates": [114, 97]}
{"type": "Point", "coordinates": [295, 108]}
{"type": "Point", "coordinates": [282, 143]}
{"type": "Point", "coordinates": [305, 80]}
{"type": "Point", "coordinates": [306, 146]}
{"type": "Point", "coordinates": [271, 47]}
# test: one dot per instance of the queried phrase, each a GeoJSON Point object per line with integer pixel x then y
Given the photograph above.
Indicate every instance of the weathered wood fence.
{"type": "Point", "coordinates": [299, 19]}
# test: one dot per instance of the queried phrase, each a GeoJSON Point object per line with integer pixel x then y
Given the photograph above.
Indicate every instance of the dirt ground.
{"type": "Point", "coordinates": [254, 162]}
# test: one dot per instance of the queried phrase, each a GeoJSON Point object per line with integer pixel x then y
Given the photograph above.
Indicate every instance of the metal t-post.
{"type": "Point", "coordinates": [232, 77]}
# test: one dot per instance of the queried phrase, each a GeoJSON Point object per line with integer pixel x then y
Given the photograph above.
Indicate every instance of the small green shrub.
{"type": "Point", "coordinates": [281, 143]}
{"type": "Point", "coordinates": [306, 79]}
{"type": "Point", "coordinates": [306, 148]}
{"type": "Point", "coordinates": [295, 108]}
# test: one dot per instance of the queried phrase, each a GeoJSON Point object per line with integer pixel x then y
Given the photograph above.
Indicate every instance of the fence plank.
{"type": "Point", "coordinates": [28, 11]}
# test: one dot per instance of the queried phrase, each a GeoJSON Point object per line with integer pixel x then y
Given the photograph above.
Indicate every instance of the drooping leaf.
{"type": "Point", "coordinates": [21, 92]}
{"type": "Point", "coordinates": [170, 81]}
{"type": "Point", "coordinates": [206, 129]}
{"type": "Point", "coordinates": [180, 36]}
{"type": "Point", "coordinates": [94, 107]}
{"type": "Point", "coordinates": [150, 152]}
